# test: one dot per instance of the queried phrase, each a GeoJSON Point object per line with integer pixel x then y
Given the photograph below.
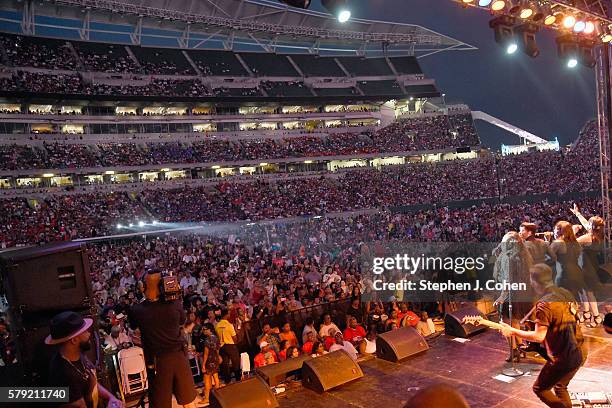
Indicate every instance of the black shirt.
{"type": "Point", "coordinates": [160, 326]}
{"type": "Point", "coordinates": [563, 339]}
{"type": "Point", "coordinates": [78, 377]}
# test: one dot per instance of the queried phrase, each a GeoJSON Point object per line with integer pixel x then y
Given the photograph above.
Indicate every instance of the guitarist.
{"type": "Point", "coordinates": [556, 327]}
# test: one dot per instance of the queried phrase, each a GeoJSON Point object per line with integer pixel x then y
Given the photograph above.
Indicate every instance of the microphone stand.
{"type": "Point", "coordinates": [512, 371]}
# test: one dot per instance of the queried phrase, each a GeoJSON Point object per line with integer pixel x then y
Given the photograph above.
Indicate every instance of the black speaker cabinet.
{"type": "Point", "coordinates": [275, 374]}
{"type": "Point", "coordinates": [453, 325]}
{"type": "Point", "coordinates": [329, 371]}
{"type": "Point", "coordinates": [51, 277]}
{"type": "Point", "coordinates": [250, 393]}
{"type": "Point", "coordinates": [398, 345]}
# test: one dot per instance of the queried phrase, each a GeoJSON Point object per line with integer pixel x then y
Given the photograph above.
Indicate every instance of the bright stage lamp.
{"type": "Point", "coordinates": [550, 19]}
{"type": "Point", "coordinates": [572, 62]}
{"type": "Point", "coordinates": [344, 16]}
{"type": "Point", "coordinates": [119, 226]}
{"type": "Point", "coordinates": [484, 3]}
{"type": "Point", "coordinates": [589, 27]}
{"type": "Point", "coordinates": [526, 13]}
{"type": "Point", "coordinates": [141, 224]}
{"type": "Point", "coordinates": [569, 21]}
{"type": "Point", "coordinates": [606, 38]}
{"type": "Point", "coordinates": [498, 5]}
{"type": "Point", "coordinates": [512, 48]}
{"type": "Point", "coordinates": [468, 1]}
{"type": "Point", "coordinates": [579, 26]}
{"type": "Point", "coordinates": [130, 225]}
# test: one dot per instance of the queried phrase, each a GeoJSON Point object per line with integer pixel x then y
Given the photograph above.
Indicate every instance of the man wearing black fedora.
{"type": "Point", "coordinates": [71, 368]}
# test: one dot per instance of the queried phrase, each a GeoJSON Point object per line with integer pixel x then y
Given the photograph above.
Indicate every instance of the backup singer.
{"type": "Point", "coordinates": [557, 328]}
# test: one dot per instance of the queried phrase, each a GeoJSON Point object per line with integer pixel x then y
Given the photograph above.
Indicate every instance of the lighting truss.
{"type": "Point", "coordinates": [597, 11]}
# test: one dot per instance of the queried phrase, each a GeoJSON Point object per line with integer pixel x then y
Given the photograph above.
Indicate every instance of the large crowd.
{"type": "Point", "coordinates": [407, 135]}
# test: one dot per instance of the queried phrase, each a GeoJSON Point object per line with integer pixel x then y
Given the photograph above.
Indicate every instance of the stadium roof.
{"type": "Point", "coordinates": [228, 24]}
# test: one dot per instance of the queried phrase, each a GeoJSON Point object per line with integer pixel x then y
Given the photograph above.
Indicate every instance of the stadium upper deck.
{"type": "Point", "coordinates": [39, 68]}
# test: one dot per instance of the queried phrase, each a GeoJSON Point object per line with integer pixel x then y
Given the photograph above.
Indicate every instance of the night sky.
{"type": "Point", "coordinates": [540, 95]}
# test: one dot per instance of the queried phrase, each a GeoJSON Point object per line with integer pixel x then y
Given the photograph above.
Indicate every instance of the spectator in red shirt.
{"type": "Point", "coordinates": [311, 339]}
{"type": "Point", "coordinates": [266, 356]}
{"type": "Point", "coordinates": [330, 340]}
{"type": "Point", "coordinates": [355, 334]}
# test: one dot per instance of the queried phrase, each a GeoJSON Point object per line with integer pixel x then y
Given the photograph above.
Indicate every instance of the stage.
{"type": "Point", "coordinates": [469, 366]}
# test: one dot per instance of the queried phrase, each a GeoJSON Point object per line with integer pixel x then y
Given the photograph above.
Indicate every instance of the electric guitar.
{"type": "Point", "coordinates": [477, 320]}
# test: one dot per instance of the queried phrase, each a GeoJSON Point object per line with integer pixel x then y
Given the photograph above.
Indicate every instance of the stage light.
{"type": "Point", "coordinates": [526, 34]}
{"type": "Point", "coordinates": [504, 35]}
{"type": "Point", "coordinates": [551, 18]}
{"type": "Point", "coordinates": [585, 53]}
{"type": "Point", "coordinates": [344, 16]}
{"type": "Point", "coordinates": [468, 1]}
{"type": "Point", "coordinates": [589, 28]}
{"type": "Point", "coordinates": [130, 225]}
{"type": "Point", "coordinates": [154, 222]}
{"type": "Point", "coordinates": [297, 3]}
{"type": "Point", "coordinates": [526, 13]}
{"type": "Point", "coordinates": [484, 3]}
{"type": "Point", "coordinates": [119, 226]}
{"type": "Point", "coordinates": [579, 26]}
{"type": "Point", "coordinates": [567, 49]}
{"type": "Point", "coordinates": [141, 224]}
{"type": "Point", "coordinates": [606, 37]}
{"type": "Point", "coordinates": [498, 5]}
{"type": "Point", "coordinates": [569, 21]}
{"type": "Point", "coordinates": [572, 62]}
{"type": "Point", "coordinates": [339, 8]}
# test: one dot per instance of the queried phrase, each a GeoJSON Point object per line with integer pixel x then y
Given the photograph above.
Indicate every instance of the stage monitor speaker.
{"type": "Point", "coordinates": [453, 325]}
{"type": "Point", "coordinates": [398, 345]}
{"type": "Point", "coordinates": [51, 277]}
{"type": "Point", "coordinates": [329, 371]}
{"type": "Point", "coordinates": [275, 374]}
{"type": "Point", "coordinates": [250, 393]}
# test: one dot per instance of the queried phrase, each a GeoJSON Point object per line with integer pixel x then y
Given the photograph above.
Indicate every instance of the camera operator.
{"type": "Point", "coordinates": [160, 323]}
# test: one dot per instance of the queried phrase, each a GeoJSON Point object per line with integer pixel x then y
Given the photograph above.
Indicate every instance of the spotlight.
{"type": "Point", "coordinates": [468, 1]}
{"type": "Point", "coordinates": [589, 28]}
{"type": "Point", "coordinates": [567, 49]}
{"type": "Point", "coordinates": [154, 222]}
{"type": "Point", "coordinates": [569, 21]}
{"type": "Point", "coordinates": [130, 225]}
{"type": "Point", "coordinates": [550, 18]}
{"type": "Point", "coordinates": [606, 37]}
{"type": "Point", "coordinates": [579, 26]}
{"type": "Point", "coordinates": [141, 224]}
{"type": "Point", "coordinates": [527, 37]}
{"type": "Point", "coordinates": [585, 54]}
{"type": "Point", "coordinates": [119, 226]}
{"type": "Point", "coordinates": [498, 5]}
{"type": "Point", "coordinates": [504, 35]}
{"type": "Point", "coordinates": [484, 3]}
{"type": "Point", "coordinates": [339, 8]}
{"type": "Point", "coordinates": [297, 3]}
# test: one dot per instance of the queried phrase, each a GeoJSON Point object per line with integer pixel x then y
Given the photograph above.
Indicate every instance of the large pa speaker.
{"type": "Point", "coordinates": [330, 371]}
{"type": "Point", "coordinates": [398, 345]}
{"type": "Point", "coordinates": [52, 277]}
{"type": "Point", "coordinates": [250, 393]}
{"type": "Point", "coordinates": [275, 374]}
{"type": "Point", "coordinates": [453, 325]}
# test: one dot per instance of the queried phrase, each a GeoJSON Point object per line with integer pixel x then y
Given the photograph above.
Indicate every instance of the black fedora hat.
{"type": "Point", "coordinates": [65, 326]}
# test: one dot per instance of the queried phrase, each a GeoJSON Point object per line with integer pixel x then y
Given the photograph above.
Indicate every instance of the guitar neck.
{"type": "Point", "coordinates": [490, 324]}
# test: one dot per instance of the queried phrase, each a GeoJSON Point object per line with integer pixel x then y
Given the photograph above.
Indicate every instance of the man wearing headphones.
{"type": "Point", "coordinates": [164, 348]}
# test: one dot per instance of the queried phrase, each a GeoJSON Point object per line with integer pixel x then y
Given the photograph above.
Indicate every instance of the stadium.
{"type": "Point", "coordinates": [241, 161]}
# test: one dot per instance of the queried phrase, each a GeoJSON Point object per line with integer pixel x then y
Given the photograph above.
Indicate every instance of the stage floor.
{"type": "Point", "coordinates": [470, 367]}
